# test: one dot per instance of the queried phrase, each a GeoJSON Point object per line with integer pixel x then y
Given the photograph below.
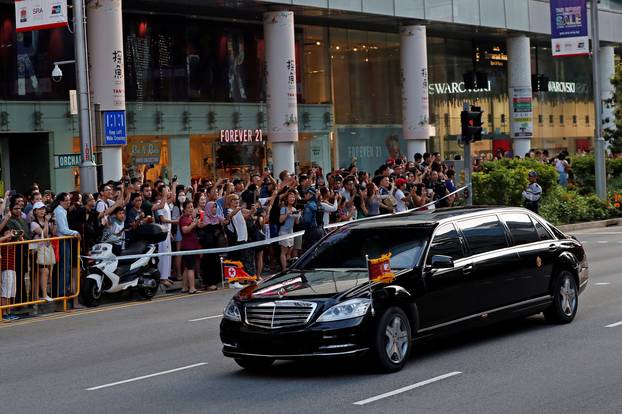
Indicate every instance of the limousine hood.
{"type": "Point", "coordinates": [308, 283]}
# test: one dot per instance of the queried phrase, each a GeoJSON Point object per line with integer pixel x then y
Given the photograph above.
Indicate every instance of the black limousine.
{"type": "Point", "coordinates": [454, 268]}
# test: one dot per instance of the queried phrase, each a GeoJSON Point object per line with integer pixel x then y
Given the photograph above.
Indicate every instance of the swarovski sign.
{"type": "Point", "coordinates": [458, 88]}
{"type": "Point", "coordinates": [453, 88]}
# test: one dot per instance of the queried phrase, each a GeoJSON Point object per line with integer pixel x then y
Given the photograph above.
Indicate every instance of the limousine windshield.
{"type": "Point", "coordinates": [346, 248]}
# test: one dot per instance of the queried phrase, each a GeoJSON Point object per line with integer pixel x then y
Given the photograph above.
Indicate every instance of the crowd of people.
{"type": "Point", "coordinates": [202, 214]}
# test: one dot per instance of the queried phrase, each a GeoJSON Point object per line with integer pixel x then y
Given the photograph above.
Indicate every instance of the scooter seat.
{"type": "Point", "coordinates": [138, 247]}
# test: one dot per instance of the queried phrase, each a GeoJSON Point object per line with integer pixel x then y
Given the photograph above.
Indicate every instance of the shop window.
{"type": "Point", "coordinates": [561, 120]}
{"type": "Point", "coordinates": [587, 119]}
{"type": "Point", "coordinates": [551, 119]}
{"type": "Point", "coordinates": [26, 61]}
{"type": "Point", "coordinates": [574, 120]}
{"type": "Point", "coordinates": [540, 119]}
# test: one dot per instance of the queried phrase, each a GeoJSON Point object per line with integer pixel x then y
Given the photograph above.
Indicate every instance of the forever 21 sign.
{"type": "Point", "coordinates": [241, 136]}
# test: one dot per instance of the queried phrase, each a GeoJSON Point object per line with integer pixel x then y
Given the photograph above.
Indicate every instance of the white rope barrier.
{"type": "Point", "coordinates": [244, 246]}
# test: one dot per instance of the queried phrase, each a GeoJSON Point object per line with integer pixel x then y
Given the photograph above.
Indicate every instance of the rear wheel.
{"type": "Point", "coordinates": [149, 292]}
{"type": "Point", "coordinates": [91, 294]}
{"type": "Point", "coordinates": [565, 299]}
{"type": "Point", "coordinates": [392, 340]}
{"type": "Point", "coordinates": [254, 364]}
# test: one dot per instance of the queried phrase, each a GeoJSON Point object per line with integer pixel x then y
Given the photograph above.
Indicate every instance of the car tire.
{"type": "Point", "coordinates": [254, 364]}
{"type": "Point", "coordinates": [565, 299]}
{"type": "Point", "coordinates": [91, 294]}
{"type": "Point", "coordinates": [391, 341]}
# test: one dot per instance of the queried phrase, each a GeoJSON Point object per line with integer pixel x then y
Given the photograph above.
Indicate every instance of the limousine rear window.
{"type": "Point", "coordinates": [484, 234]}
{"type": "Point", "coordinates": [346, 248]}
{"type": "Point", "coordinates": [521, 228]}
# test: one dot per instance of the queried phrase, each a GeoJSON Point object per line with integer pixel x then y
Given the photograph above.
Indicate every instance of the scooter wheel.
{"type": "Point", "coordinates": [150, 292]}
{"type": "Point", "coordinates": [91, 295]}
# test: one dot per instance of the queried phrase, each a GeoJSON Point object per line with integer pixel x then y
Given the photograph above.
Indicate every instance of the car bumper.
{"type": "Point", "coordinates": [337, 339]}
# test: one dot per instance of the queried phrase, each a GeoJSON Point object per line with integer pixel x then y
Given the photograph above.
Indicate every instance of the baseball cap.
{"type": "Point", "coordinates": [533, 174]}
{"type": "Point", "coordinates": [237, 181]}
{"type": "Point", "coordinates": [400, 181]}
{"type": "Point", "coordinates": [310, 190]}
{"type": "Point", "coordinates": [38, 205]}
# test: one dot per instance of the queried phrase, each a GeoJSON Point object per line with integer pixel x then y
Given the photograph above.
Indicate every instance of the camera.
{"type": "Point", "coordinates": [57, 74]}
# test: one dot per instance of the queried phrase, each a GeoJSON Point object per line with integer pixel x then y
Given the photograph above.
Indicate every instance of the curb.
{"type": "Point", "coordinates": [590, 225]}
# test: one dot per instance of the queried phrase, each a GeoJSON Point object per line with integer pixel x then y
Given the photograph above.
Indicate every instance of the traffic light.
{"type": "Point", "coordinates": [471, 122]}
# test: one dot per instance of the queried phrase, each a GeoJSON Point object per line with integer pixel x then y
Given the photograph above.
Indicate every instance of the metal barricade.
{"type": "Point", "coordinates": [40, 271]}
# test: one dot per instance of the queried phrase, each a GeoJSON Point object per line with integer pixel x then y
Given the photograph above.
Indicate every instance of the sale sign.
{"type": "Point", "coordinates": [40, 14]}
{"type": "Point", "coordinates": [569, 28]}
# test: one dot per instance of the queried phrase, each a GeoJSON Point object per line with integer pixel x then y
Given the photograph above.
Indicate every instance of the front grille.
{"type": "Point", "coordinates": [279, 314]}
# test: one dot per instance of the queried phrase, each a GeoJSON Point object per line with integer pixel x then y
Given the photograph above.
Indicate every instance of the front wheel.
{"type": "Point", "coordinates": [392, 340]}
{"type": "Point", "coordinates": [91, 294]}
{"type": "Point", "coordinates": [254, 364]}
{"type": "Point", "coordinates": [565, 299]}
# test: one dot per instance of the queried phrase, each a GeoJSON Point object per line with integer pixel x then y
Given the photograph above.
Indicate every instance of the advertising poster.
{"type": "Point", "coordinates": [369, 147]}
{"type": "Point", "coordinates": [569, 28]}
{"type": "Point", "coordinates": [40, 14]}
{"type": "Point", "coordinates": [521, 120]}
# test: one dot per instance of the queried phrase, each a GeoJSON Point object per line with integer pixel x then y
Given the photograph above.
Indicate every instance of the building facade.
{"type": "Point", "coordinates": [198, 101]}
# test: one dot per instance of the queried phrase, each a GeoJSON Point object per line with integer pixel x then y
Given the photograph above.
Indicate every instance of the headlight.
{"type": "Point", "coordinates": [232, 312]}
{"type": "Point", "coordinates": [352, 308]}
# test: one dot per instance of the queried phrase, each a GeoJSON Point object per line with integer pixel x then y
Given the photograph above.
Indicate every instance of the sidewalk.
{"type": "Point", "coordinates": [590, 225]}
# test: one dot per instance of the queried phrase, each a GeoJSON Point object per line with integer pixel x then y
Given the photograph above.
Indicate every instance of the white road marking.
{"type": "Point", "coordinates": [205, 318]}
{"type": "Point", "coordinates": [613, 325]}
{"type": "Point", "coordinates": [602, 284]}
{"type": "Point", "coordinates": [602, 242]}
{"type": "Point", "coordinates": [170, 371]}
{"type": "Point", "coordinates": [407, 388]}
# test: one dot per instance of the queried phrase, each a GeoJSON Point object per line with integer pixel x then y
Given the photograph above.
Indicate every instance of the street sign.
{"type": "Point", "coordinates": [40, 14]}
{"type": "Point", "coordinates": [71, 160]}
{"type": "Point", "coordinates": [114, 128]}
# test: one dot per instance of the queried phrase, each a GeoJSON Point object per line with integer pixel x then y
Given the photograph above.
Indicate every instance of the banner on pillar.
{"type": "Point", "coordinates": [40, 14]}
{"type": "Point", "coordinates": [521, 120]}
{"type": "Point", "coordinates": [569, 28]}
{"type": "Point", "coordinates": [281, 95]}
{"type": "Point", "coordinates": [106, 63]}
{"type": "Point", "coordinates": [415, 84]}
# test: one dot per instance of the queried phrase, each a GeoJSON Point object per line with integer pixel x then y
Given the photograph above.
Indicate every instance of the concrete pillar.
{"type": "Point", "coordinates": [281, 97]}
{"type": "Point", "coordinates": [520, 95]}
{"type": "Point", "coordinates": [415, 104]}
{"type": "Point", "coordinates": [607, 70]}
{"type": "Point", "coordinates": [105, 36]}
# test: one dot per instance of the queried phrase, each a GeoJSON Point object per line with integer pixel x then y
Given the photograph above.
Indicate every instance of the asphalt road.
{"type": "Point", "coordinates": [157, 357]}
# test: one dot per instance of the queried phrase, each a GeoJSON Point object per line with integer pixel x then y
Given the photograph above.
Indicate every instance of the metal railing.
{"type": "Point", "coordinates": [39, 271]}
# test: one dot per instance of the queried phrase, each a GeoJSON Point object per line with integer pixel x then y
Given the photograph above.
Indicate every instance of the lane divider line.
{"type": "Point", "coordinates": [602, 284]}
{"type": "Point", "coordinates": [602, 242]}
{"type": "Point", "coordinates": [613, 325]}
{"type": "Point", "coordinates": [407, 388]}
{"type": "Point", "coordinates": [170, 371]}
{"type": "Point", "coordinates": [205, 318]}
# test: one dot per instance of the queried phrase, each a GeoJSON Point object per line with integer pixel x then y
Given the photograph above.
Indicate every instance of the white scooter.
{"type": "Point", "coordinates": [109, 273]}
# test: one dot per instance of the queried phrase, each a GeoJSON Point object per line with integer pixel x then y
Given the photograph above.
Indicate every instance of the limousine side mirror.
{"type": "Point", "coordinates": [442, 262]}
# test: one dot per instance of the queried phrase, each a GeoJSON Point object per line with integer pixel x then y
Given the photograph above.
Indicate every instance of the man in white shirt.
{"type": "Point", "coordinates": [533, 193]}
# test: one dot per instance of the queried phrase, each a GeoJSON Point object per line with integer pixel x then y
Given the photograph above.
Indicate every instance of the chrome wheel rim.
{"type": "Point", "coordinates": [396, 340]}
{"type": "Point", "coordinates": [95, 293]}
{"type": "Point", "coordinates": [568, 297]}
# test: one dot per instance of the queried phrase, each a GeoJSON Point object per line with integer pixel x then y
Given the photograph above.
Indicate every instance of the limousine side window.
{"type": "Point", "coordinates": [542, 232]}
{"type": "Point", "coordinates": [446, 243]}
{"type": "Point", "coordinates": [484, 234]}
{"type": "Point", "coordinates": [521, 228]}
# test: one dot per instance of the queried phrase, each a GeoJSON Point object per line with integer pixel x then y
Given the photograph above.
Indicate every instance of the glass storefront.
{"type": "Point", "coordinates": [26, 61]}
{"type": "Point", "coordinates": [148, 153]}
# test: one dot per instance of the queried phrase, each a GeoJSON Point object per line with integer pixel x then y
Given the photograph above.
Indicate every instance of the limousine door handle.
{"type": "Point", "coordinates": [552, 247]}
{"type": "Point", "coordinates": [467, 269]}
